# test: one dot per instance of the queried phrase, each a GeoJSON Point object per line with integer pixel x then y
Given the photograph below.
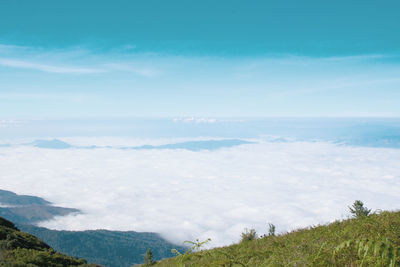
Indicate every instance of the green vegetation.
{"type": "Point", "coordinates": [248, 235]}
{"type": "Point", "coordinates": [196, 246]}
{"type": "Point", "coordinates": [271, 229]}
{"type": "Point", "coordinates": [372, 240]}
{"type": "Point", "coordinates": [358, 210]}
{"type": "Point", "coordinates": [18, 249]}
{"type": "Point", "coordinates": [148, 258]}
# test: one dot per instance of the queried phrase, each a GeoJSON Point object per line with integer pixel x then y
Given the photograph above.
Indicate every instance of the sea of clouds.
{"type": "Point", "coordinates": [185, 195]}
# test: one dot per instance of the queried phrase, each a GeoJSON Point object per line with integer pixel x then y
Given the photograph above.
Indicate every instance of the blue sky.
{"type": "Point", "coordinates": [69, 59]}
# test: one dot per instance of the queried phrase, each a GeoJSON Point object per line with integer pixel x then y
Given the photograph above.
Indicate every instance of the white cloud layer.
{"type": "Point", "coordinates": [187, 195]}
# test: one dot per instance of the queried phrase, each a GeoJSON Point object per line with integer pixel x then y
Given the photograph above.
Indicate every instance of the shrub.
{"type": "Point", "coordinates": [248, 235]}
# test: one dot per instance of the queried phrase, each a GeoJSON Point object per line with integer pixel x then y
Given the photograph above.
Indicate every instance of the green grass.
{"type": "Point", "coordinates": [368, 241]}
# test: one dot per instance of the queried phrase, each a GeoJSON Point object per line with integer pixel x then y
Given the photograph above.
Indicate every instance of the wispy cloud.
{"type": "Point", "coordinates": [275, 85]}
{"type": "Point", "coordinates": [71, 61]}
{"type": "Point", "coordinates": [8, 48]}
{"type": "Point", "coordinates": [47, 68]}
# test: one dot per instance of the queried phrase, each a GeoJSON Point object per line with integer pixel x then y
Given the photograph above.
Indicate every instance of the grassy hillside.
{"type": "Point", "coordinates": [19, 249]}
{"type": "Point", "coordinates": [366, 241]}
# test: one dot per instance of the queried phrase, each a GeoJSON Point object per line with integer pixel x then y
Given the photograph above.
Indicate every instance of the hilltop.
{"type": "Point", "coordinates": [366, 241]}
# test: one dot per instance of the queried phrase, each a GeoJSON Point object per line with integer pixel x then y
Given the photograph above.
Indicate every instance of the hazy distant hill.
{"type": "Point", "coordinates": [53, 144]}
{"type": "Point", "coordinates": [196, 145]}
{"type": "Point", "coordinates": [34, 213]}
{"type": "Point", "coordinates": [10, 198]}
{"type": "Point", "coordinates": [29, 209]}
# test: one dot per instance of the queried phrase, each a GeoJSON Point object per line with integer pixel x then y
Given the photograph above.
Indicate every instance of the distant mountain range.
{"type": "Point", "coordinates": [108, 248]}
{"type": "Point", "coordinates": [197, 145]}
{"type": "Point", "coordinates": [189, 145]}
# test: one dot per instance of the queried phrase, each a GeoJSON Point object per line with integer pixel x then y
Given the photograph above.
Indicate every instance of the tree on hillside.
{"type": "Point", "coordinates": [148, 258]}
{"type": "Point", "coordinates": [271, 229]}
{"type": "Point", "coordinates": [358, 210]}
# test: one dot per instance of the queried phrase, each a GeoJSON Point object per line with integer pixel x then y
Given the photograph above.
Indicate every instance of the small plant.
{"type": "Point", "coordinates": [271, 229]}
{"type": "Point", "coordinates": [148, 258]}
{"type": "Point", "coordinates": [196, 247]}
{"type": "Point", "coordinates": [248, 235]}
{"type": "Point", "coordinates": [358, 210]}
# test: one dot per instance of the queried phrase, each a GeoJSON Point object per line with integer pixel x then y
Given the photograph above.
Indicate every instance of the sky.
{"type": "Point", "coordinates": [101, 59]}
